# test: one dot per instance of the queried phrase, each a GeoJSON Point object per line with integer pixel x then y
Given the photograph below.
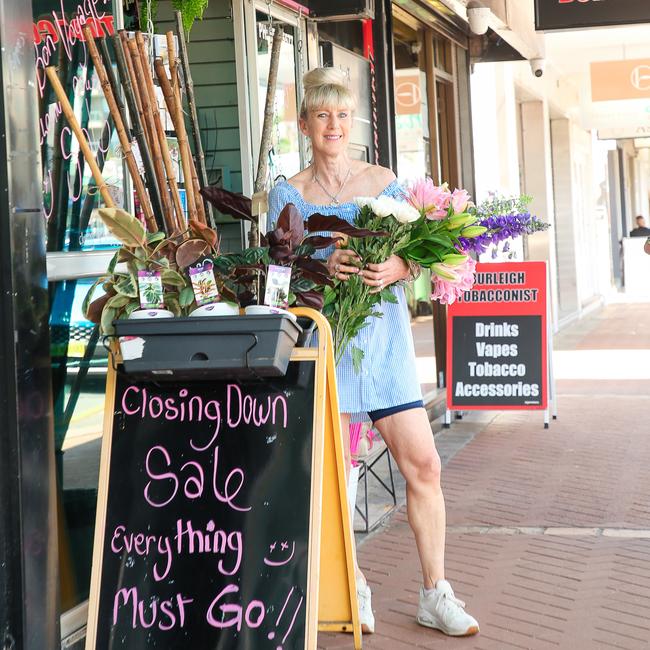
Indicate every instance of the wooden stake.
{"type": "Point", "coordinates": [50, 71]}
{"type": "Point", "coordinates": [134, 81]}
{"type": "Point", "coordinates": [192, 182]}
{"type": "Point", "coordinates": [152, 226]}
{"type": "Point", "coordinates": [154, 142]}
{"type": "Point", "coordinates": [167, 159]}
{"type": "Point", "coordinates": [136, 122]}
{"type": "Point", "coordinates": [194, 118]}
{"type": "Point", "coordinates": [265, 140]}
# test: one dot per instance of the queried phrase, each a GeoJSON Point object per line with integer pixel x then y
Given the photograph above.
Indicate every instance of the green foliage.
{"type": "Point", "coordinates": [191, 10]}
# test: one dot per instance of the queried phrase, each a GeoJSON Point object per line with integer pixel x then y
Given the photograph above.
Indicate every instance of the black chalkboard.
{"type": "Point", "coordinates": [206, 537]}
{"type": "Point", "coordinates": [497, 361]}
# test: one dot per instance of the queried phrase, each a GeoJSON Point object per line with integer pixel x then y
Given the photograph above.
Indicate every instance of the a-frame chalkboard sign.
{"type": "Point", "coordinates": [214, 497]}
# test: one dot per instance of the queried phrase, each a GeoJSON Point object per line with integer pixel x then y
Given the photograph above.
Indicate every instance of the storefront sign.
{"type": "Point", "coordinates": [408, 97]}
{"type": "Point", "coordinates": [496, 347]}
{"type": "Point", "coordinates": [571, 14]}
{"type": "Point", "coordinates": [207, 525]}
{"type": "Point", "coordinates": [612, 80]}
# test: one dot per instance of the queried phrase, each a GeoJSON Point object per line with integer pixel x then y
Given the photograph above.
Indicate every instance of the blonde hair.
{"type": "Point", "coordinates": [326, 87]}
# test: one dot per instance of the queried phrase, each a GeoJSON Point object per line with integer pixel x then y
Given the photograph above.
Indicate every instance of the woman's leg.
{"type": "Point", "coordinates": [409, 439]}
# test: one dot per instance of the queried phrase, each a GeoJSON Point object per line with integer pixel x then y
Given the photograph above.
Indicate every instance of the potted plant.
{"type": "Point", "coordinates": [142, 279]}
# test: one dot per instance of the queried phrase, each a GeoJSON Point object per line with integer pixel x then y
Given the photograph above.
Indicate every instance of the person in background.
{"type": "Point", "coordinates": [641, 230]}
{"type": "Point", "coordinates": [387, 389]}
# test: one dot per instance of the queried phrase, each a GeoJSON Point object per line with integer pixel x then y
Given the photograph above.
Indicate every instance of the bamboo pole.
{"type": "Point", "coordinates": [154, 141]}
{"type": "Point", "coordinates": [136, 124]}
{"type": "Point", "coordinates": [177, 221]}
{"type": "Point", "coordinates": [171, 102]}
{"type": "Point", "coordinates": [192, 182]}
{"type": "Point", "coordinates": [171, 175]}
{"type": "Point", "coordinates": [124, 39]}
{"type": "Point", "coordinates": [110, 75]}
{"type": "Point", "coordinates": [194, 117]}
{"type": "Point", "coordinates": [265, 140]}
{"type": "Point", "coordinates": [121, 132]}
{"type": "Point", "coordinates": [50, 71]}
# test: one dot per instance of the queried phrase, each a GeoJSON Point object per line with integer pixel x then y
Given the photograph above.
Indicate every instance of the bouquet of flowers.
{"type": "Point", "coordinates": [503, 218]}
{"type": "Point", "coordinates": [425, 229]}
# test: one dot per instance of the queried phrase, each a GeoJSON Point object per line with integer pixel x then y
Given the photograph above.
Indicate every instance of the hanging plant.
{"type": "Point", "coordinates": [191, 10]}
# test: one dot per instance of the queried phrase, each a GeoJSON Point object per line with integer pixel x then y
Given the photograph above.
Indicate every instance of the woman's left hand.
{"type": "Point", "coordinates": [380, 276]}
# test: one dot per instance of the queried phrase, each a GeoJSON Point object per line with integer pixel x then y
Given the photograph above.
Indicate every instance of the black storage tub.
{"type": "Point", "coordinates": [210, 346]}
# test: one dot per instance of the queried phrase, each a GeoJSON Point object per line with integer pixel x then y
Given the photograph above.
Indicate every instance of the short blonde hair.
{"type": "Point", "coordinates": [326, 88]}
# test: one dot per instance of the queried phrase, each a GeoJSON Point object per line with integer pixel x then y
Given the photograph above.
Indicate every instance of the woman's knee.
{"type": "Point", "coordinates": [426, 468]}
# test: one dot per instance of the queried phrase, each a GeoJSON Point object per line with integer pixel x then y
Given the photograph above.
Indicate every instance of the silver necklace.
{"type": "Point", "coordinates": [334, 198]}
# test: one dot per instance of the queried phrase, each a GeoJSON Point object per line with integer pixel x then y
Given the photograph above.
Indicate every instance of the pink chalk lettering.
{"type": "Point", "coordinates": [240, 407]}
{"type": "Point", "coordinates": [197, 481]}
{"type": "Point", "coordinates": [128, 598]}
{"type": "Point", "coordinates": [228, 496]}
{"type": "Point", "coordinates": [253, 615]}
{"type": "Point", "coordinates": [191, 540]}
{"type": "Point", "coordinates": [164, 476]}
{"type": "Point", "coordinates": [282, 558]}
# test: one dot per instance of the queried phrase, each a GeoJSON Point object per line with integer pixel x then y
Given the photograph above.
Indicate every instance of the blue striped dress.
{"type": "Point", "coordinates": [388, 374]}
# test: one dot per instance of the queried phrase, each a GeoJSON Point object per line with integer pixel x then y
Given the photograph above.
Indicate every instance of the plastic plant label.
{"type": "Point", "coordinates": [150, 289]}
{"type": "Point", "coordinates": [203, 282]}
{"type": "Point", "coordinates": [278, 280]}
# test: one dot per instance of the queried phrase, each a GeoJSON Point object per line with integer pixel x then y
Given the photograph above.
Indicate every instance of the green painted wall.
{"type": "Point", "coordinates": [212, 59]}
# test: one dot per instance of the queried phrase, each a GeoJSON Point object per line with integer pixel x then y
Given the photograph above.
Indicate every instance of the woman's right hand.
{"type": "Point", "coordinates": [343, 263]}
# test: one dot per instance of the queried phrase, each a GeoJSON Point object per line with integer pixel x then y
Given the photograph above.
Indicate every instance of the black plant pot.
{"type": "Point", "coordinates": [207, 348]}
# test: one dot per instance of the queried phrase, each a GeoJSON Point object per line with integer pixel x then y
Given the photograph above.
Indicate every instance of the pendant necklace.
{"type": "Point", "coordinates": [334, 198]}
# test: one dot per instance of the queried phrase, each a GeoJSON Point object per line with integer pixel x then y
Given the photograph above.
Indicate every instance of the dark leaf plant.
{"type": "Point", "coordinates": [140, 250]}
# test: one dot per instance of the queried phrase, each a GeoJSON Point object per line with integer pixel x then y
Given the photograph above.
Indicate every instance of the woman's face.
{"type": "Point", "coordinates": [328, 129]}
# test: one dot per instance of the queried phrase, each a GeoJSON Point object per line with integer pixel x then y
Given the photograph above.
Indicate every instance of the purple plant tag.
{"type": "Point", "coordinates": [150, 289]}
{"type": "Point", "coordinates": [203, 282]}
{"type": "Point", "coordinates": [278, 281]}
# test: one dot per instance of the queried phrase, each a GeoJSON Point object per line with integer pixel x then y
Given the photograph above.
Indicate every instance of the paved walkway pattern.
{"type": "Point", "coordinates": [548, 530]}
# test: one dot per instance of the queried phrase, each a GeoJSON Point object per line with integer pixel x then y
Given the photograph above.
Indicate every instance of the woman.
{"type": "Point", "coordinates": [387, 388]}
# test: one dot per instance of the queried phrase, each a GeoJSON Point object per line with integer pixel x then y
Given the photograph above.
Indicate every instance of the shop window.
{"type": "Point", "coordinates": [78, 357]}
{"type": "Point", "coordinates": [285, 155]}
{"type": "Point", "coordinates": [411, 105]}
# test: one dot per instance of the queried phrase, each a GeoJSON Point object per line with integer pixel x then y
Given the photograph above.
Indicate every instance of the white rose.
{"type": "Point", "coordinates": [406, 213]}
{"type": "Point", "coordinates": [384, 206]}
{"type": "Point", "coordinates": [363, 201]}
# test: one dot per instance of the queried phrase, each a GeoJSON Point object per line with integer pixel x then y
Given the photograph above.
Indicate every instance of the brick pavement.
{"type": "Point", "coordinates": [548, 530]}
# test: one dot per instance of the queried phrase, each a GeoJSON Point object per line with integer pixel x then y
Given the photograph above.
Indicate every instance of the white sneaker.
{"type": "Point", "coordinates": [441, 610]}
{"type": "Point", "coordinates": [366, 617]}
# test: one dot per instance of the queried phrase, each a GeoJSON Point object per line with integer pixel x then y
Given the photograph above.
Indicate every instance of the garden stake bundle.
{"type": "Point", "coordinates": [120, 128]}
{"type": "Point", "coordinates": [172, 94]}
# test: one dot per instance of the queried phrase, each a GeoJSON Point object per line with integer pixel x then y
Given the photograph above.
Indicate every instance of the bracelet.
{"type": "Point", "coordinates": [414, 270]}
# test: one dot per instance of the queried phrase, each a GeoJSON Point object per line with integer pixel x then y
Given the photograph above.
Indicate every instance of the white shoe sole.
{"type": "Point", "coordinates": [426, 622]}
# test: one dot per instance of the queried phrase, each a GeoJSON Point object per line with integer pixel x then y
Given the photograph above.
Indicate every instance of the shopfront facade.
{"type": "Point", "coordinates": [411, 68]}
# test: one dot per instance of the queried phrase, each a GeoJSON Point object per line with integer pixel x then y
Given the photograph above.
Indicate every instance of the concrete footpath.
{"type": "Point", "coordinates": [548, 536]}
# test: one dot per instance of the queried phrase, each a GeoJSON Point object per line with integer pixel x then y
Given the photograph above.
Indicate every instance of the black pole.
{"type": "Point", "coordinates": [29, 611]}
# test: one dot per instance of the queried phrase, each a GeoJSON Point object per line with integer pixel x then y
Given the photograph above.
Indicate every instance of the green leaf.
{"type": "Point", "coordinates": [186, 297]}
{"type": "Point", "coordinates": [173, 305]}
{"type": "Point", "coordinates": [388, 296]}
{"type": "Point", "coordinates": [173, 278]}
{"type": "Point", "coordinates": [130, 308]}
{"type": "Point", "coordinates": [153, 237]}
{"type": "Point", "coordinates": [108, 316]}
{"type": "Point", "coordinates": [127, 286]}
{"type": "Point", "coordinates": [357, 358]}
{"type": "Point", "coordinates": [123, 226]}
{"type": "Point", "coordinates": [89, 296]}
{"type": "Point", "coordinates": [118, 301]}
{"type": "Point", "coordinates": [114, 260]}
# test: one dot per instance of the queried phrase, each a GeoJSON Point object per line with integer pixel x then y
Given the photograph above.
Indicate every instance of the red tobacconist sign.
{"type": "Point", "coordinates": [497, 352]}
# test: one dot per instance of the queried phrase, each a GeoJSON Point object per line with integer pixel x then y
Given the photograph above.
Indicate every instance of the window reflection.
{"type": "Point", "coordinates": [284, 158]}
{"type": "Point", "coordinates": [79, 362]}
